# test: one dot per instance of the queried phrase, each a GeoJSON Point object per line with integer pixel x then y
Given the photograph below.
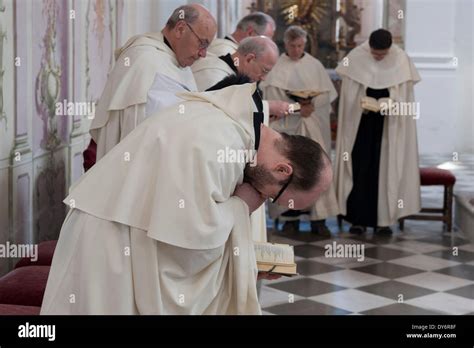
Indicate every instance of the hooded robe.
{"type": "Point", "coordinates": [398, 191]}
{"type": "Point", "coordinates": [121, 106]}
{"type": "Point", "coordinates": [305, 74]}
{"type": "Point", "coordinates": [154, 227]}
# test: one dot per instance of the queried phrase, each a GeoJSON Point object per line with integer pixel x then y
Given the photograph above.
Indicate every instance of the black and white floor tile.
{"type": "Point", "coordinates": [421, 271]}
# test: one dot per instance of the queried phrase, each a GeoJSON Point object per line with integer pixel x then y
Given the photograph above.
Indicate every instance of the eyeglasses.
{"type": "Point", "coordinates": [262, 69]}
{"type": "Point", "coordinates": [284, 187]}
{"type": "Point", "coordinates": [203, 43]}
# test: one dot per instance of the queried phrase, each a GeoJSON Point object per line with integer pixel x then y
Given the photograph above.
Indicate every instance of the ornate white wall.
{"type": "Point", "coordinates": [51, 51]}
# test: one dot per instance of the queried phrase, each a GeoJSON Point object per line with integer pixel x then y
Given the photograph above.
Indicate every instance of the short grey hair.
{"type": "Point", "coordinates": [187, 13]}
{"type": "Point", "coordinates": [294, 32]}
{"type": "Point", "coordinates": [258, 21]}
{"type": "Point", "coordinates": [253, 44]}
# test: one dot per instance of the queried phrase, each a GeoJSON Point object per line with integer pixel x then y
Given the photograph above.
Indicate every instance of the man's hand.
{"type": "Point", "coordinates": [278, 108]}
{"type": "Point", "coordinates": [249, 195]}
{"type": "Point", "coordinates": [269, 276]}
{"type": "Point", "coordinates": [306, 110]}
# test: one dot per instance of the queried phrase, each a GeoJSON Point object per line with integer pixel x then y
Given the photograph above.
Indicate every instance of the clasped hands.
{"type": "Point", "coordinates": [279, 109]}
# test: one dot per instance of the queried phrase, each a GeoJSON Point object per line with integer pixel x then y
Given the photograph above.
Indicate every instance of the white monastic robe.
{"type": "Point", "coordinates": [210, 70]}
{"type": "Point", "coordinates": [399, 178]}
{"type": "Point", "coordinates": [163, 93]}
{"type": "Point", "coordinates": [305, 74]}
{"type": "Point", "coordinates": [207, 72]}
{"type": "Point", "coordinates": [221, 47]}
{"type": "Point", "coordinates": [121, 106]}
{"type": "Point", "coordinates": [159, 231]}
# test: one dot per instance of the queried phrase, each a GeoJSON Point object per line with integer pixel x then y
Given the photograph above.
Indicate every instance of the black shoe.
{"type": "Point", "coordinates": [291, 227]}
{"type": "Point", "coordinates": [383, 231]}
{"type": "Point", "coordinates": [356, 229]}
{"type": "Point", "coordinates": [319, 228]}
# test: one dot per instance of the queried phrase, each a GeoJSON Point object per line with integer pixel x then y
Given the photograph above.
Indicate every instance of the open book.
{"type": "Point", "coordinates": [275, 258]}
{"type": "Point", "coordinates": [304, 94]}
{"type": "Point", "coordinates": [295, 107]}
{"type": "Point", "coordinates": [375, 105]}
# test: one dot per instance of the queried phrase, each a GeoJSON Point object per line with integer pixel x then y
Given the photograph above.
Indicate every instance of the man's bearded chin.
{"type": "Point", "coordinates": [258, 176]}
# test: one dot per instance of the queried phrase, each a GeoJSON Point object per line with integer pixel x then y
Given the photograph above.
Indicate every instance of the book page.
{"type": "Point", "coordinates": [274, 253]}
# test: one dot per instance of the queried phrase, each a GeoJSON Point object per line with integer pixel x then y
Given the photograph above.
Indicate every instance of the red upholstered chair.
{"type": "Point", "coordinates": [90, 155]}
{"type": "Point", "coordinates": [430, 177]}
{"type": "Point", "coordinates": [24, 286]}
{"type": "Point", "coordinates": [9, 309]}
{"type": "Point", "coordinates": [45, 255]}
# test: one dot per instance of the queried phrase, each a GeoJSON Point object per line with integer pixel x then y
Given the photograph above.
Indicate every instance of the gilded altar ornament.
{"type": "Point", "coordinates": [350, 13]}
{"type": "Point", "coordinates": [305, 13]}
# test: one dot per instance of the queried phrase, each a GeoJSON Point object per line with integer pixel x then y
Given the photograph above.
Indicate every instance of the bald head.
{"type": "Point", "coordinates": [254, 24]}
{"type": "Point", "coordinates": [256, 56]}
{"type": "Point", "coordinates": [206, 21]}
{"type": "Point", "coordinates": [259, 45]}
{"type": "Point", "coordinates": [189, 30]}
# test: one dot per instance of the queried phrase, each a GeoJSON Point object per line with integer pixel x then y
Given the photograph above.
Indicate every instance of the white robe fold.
{"type": "Point", "coordinates": [162, 193]}
{"type": "Point", "coordinates": [221, 47]}
{"type": "Point", "coordinates": [399, 178]}
{"type": "Point", "coordinates": [121, 106]}
{"type": "Point", "coordinates": [210, 70]}
{"type": "Point", "coordinates": [163, 93]}
{"type": "Point", "coordinates": [305, 74]}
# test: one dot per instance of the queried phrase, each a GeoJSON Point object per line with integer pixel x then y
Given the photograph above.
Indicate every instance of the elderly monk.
{"type": "Point", "coordinates": [143, 59]}
{"type": "Point", "coordinates": [377, 175]}
{"type": "Point", "coordinates": [254, 24]}
{"type": "Point", "coordinates": [255, 57]}
{"type": "Point", "coordinates": [161, 224]}
{"type": "Point", "coordinates": [295, 71]}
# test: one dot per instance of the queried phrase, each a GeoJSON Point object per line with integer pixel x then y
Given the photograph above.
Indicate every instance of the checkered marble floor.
{"type": "Point", "coordinates": [420, 271]}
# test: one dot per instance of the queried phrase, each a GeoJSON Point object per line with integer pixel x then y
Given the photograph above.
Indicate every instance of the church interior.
{"type": "Point", "coordinates": [54, 51]}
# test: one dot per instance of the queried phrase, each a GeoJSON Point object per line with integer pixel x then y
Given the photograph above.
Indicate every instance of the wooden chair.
{"type": "Point", "coordinates": [430, 177]}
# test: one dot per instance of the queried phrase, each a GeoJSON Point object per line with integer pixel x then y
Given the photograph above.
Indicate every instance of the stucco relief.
{"type": "Point", "coordinates": [50, 181]}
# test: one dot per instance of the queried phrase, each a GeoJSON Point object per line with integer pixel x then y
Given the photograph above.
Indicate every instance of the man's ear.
{"type": "Point", "coordinates": [179, 29]}
{"type": "Point", "coordinates": [250, 31]}
{"type": "Point", "coordinates": [249, 57]}
{"type": "Point", "coordinates": [284, 169]}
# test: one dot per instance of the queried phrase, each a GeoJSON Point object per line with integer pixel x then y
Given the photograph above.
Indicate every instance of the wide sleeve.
{"type": "Point", "coordinates": [162, 94]}
{"type": "Point", "coordinates": [194, 207]}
